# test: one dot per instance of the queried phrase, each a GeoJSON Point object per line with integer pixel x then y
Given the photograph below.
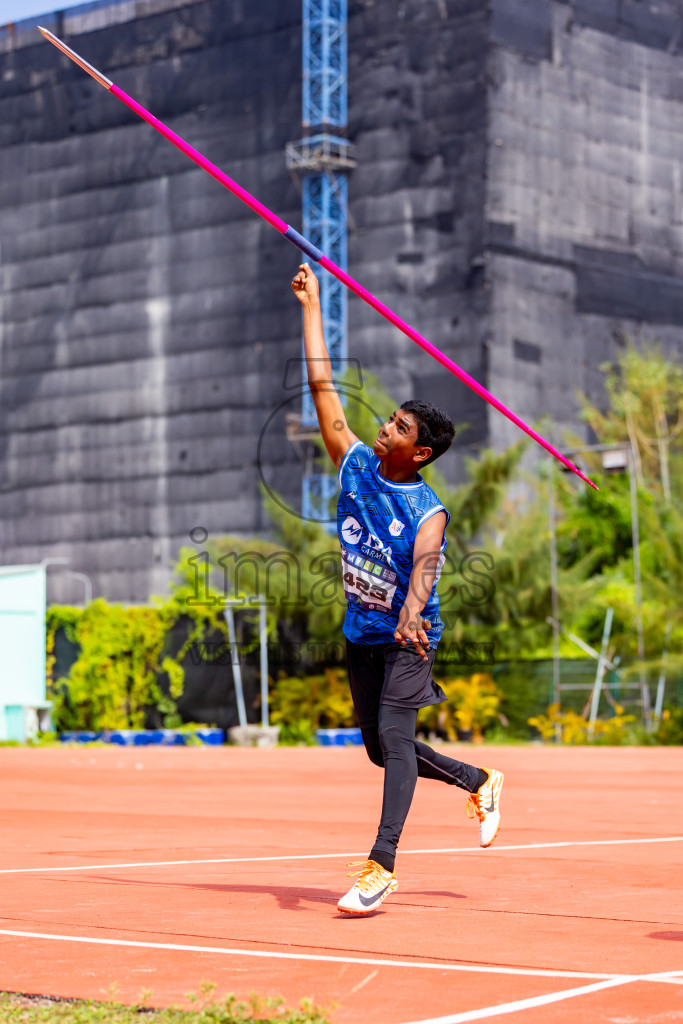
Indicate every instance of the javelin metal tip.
{"type": "Point", "coordinates": [93, 72]}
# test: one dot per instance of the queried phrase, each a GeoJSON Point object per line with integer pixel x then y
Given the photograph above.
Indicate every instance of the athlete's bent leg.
{"type": "Point", "coordinates": [373, 747]}
{"type": "Point", "coordinates": [431, 765]}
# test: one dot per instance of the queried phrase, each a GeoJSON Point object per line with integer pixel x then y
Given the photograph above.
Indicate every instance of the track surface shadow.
{"type": "Point", "coordinates": [289, 897]}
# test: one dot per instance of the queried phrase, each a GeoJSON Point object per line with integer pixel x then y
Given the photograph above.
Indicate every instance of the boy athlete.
{"type": "Point", "coordinates": [391, 531]}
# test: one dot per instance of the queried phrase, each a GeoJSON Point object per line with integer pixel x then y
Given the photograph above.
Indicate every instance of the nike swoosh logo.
{"type": "Point", "coordinates": [367, 901]}
{"type": "Point", "coordinates": [491, 807]}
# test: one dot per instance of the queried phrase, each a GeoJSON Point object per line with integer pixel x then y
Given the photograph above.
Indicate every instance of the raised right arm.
{"type": "Point", "coordinates": [334, 429]}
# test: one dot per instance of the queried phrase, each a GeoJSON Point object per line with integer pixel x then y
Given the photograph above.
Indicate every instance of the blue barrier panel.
{"type": "Point", "coordinates": [147, 737]}
{"type": "Point", "coordinates": [211, 737]}
{"type": "Point", "coordinates": [339, 737]}
{"type": "Point", "coordinates": [129, 737]}
{"type": "Point", "coordinates": [82, 736]}
{"type": "Point", "coordinates": [166, 738]}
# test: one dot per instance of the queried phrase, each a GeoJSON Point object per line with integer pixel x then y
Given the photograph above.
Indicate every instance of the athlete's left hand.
{"type": "Point", "coordinates": [411, 629]}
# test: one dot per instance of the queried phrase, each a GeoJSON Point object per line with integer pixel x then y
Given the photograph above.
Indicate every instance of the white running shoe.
{"type": "Point", "coordinates": [485, 804]}
{"type": "Point", "coordinates": [370, 889]}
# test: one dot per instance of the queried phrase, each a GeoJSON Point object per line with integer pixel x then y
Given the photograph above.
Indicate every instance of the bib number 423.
{"type": "Point", "coordinates": [370, 590]}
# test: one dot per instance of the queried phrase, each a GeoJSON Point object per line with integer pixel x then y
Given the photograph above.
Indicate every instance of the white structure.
{"type": "Point", "coordinates": [22, 650]}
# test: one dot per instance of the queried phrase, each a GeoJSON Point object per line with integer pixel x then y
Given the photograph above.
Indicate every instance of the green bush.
{"type": "Point", "coordinates": [300, 705]}
{"type": "Point", "coordinates": [206, 1010]}
{"type": "Point", "coordinates": [123, 671]}
{"type": "Point", "coordinates": [471, 705]}
{"type": "Point", "coordinates": [670, 729]}
{"type": "Point", "coordinates": [575, 730]}
{"type": "Point", "coordinates": [114, 679]}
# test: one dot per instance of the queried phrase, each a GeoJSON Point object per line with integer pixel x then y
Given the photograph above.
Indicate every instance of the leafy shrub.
{"type": "Point", "coordinates": [298, 734]}
{"type": "Point", "coordinates": [303, 704]}
{"type": "Point", "coordinates": [123, 670]}
{"type": "Point", "coordinates": [575, 729]}
{"type": "Point", "coordinates": [207, 1009]}
{"type": "Point", "coordinates": [670, 730]}
{"type": "Point", "coordinates": [115, 677]}
{"type": "Point", "coordinates": [471, 704]}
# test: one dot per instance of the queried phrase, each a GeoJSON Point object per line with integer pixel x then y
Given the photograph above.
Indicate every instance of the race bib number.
{"type": "Point", "coordinates": [369, 583]}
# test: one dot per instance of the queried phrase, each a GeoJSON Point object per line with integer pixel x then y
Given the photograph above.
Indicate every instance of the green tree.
{"type": "Point", "coordinates": [644, 411]}
{"type": "Point", "coordinates": [645, 396]}
{"type": "Point", "coordinates": [515, 618]}
{"type": "Point", "coordinates": [594, 531]}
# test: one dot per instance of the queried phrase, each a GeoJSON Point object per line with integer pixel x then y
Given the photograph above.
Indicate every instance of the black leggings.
{"type": "Point", "coordinates": [391, 745]}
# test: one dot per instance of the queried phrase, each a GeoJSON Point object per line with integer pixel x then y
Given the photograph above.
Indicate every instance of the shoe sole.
{"type": "Point", "coordinates": [359, 913]}
{"type": "Point", "coordinates": [485, 846]}
{"type": "Point", "coordinates": [370, 910]}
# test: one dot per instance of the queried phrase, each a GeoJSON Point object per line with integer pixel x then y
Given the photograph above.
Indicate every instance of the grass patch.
{"type": "Point", "coordinates": [30, 1009]}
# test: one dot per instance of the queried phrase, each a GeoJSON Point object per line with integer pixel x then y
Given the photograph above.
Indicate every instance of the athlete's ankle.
{"type": "Point", "coordinates": [386, 860]}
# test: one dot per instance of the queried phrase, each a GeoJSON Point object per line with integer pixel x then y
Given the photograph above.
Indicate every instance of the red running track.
{"type": "Point", "coordinates": [156, 869]}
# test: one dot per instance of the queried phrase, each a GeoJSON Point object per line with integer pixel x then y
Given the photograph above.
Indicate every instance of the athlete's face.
{"type": "Point", "coordinates": [396, 442]}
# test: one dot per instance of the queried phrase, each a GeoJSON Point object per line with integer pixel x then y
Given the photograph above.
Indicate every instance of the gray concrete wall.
{"type": "Point", "coordinates": [517, 198]}
{"type": "Point", "coordinates": [146, 315]}
{"type": "Point", "coordinates": [418, 118]}
{"type": "Point", "coordinates": [584, 206]}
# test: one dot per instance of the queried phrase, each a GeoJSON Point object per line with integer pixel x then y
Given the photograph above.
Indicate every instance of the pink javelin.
{"type": "Point", "coordinates": [310, 250]}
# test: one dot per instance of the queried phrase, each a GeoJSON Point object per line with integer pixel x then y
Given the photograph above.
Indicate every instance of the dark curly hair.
{"type": "Point", "coordinates": [435, 429]}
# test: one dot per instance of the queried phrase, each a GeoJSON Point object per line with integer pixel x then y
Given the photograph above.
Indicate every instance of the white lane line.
{"type": "Point", "coordinates": [364, 982]}
{"type": "Point", "coordinates": [48, 869]}
{"type": "Point", "coordinates": [552, 997]}
{"type": "Point", "coordinates": [525, 1004]}
{"type": "Point", "coordinates": [372, 962]}
{"type": "Point", "coordinates": [673, 977]}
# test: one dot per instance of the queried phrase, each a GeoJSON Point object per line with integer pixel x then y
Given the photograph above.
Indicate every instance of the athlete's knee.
{"type": "Point", "coordinates": [392, 738]}
{"type": "Point", "coordinates": [373, 747]}
{"type": "Point", "coordinates": [375, 756]}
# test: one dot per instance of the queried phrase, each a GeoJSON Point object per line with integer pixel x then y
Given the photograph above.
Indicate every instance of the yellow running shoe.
{"type": "Point", "coordinates": [485, 803]}
{"type": "Point", "coordinates": [370, 889]}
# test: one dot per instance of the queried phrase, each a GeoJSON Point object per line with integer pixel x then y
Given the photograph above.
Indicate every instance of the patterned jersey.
{"type": "Point", "coordinates": [377, 523]}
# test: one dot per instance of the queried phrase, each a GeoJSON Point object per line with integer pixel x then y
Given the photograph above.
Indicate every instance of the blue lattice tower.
{"type": "Point", "coordinates": [322, 160]}
{"type": "Point", "coordinates": [324, 63]}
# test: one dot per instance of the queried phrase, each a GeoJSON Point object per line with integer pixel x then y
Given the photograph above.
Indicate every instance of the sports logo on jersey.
{"type": "Point", "coordinates": [351, 530]}
{"type": "Point", "coordinates": [396, 527]}
{"type": "Point", "coordinates": [376, 544]}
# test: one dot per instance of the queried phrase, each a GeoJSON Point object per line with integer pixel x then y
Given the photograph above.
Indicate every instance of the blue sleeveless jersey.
{"type": "Point", "coordinates": [377, 523]}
